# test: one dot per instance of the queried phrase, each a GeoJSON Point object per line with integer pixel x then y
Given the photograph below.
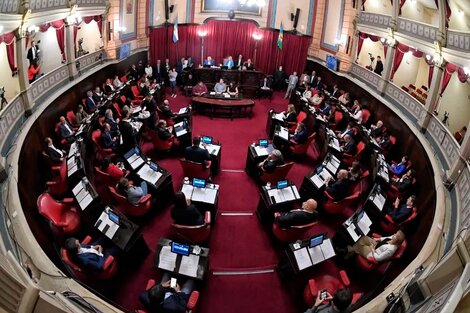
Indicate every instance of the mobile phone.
{"type": "Point", "coordinates": [323, 294]}
{"type": "Point", "coordinates": [173, 283]}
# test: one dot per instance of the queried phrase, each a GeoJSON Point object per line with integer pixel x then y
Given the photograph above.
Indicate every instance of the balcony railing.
{"type": "Point", "coordinates": [406, 101]}
{"type": "Point", "coordinates": [9, 6]}
{"type": "Point", "coordinates": [418, 30]}
{"type": "Point", "coordinates": [47, 5]}
{"type": "Point", "coordinates": [9, 118]}
{"type": "Point", "coordinates": [444, 140]}
{"type": "Point", "coordinates": [48, 83]}
{"type": "Point", "coordinates": [374, 19]}
{"type": "Point", "coordinates": [463, 196]}
{"type": "Point", "coordinates": [90, 60]}
{"type": "Point", "coordinates": [367, 76]}
{"type": "Point", "coordinates": [91, 3]}
{"type": "Point", "coordinates": [458, 41]}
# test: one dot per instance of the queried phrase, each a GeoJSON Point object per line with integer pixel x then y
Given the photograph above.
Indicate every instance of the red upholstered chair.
{"type": "Point", "coordinates": [347, 204]}
{"type": "Point", "coordinates": [290, 234]}
{"type": "Point", "coordinates": [71, 118]}
{"type": "Point", "coordinates": [144, 206]}
{"type": "Point", "coordinates": [371, 264]}
{"type": "Point", "coordinates": [103, 181]}
{"type": "Point", "coordinates": [136, 93]}
{"type": "Point", "coordinates": [331, 284]}
{"type": "Point", "coordinates": [193, 169]}
{"type": "Point", "coordinates": [110, 266]}
{"type": "Point", "coordinates": [101, 152]}
{"type": "Point", "coordinates": [338, 119]}
{"type": "Point", "coordinates": [63, 216]}
{"type": "Point", "coordinates": [300, 118]}
{"type": "Point", "coordinates": [301, 149]}
{"type": "Point", "coordinates": [390, 227]}
{"type": "Point", "coordinates": [59, 184]}
{"type": "Point", "coordinates": [365, 116]}
{"type": "Point", "coordinates": [194, 234]}
{"type": "Point", "coordinates": [118, 110]}
{"type": "Point", "coordinates": [190, 306]}
{"type": "Point", "coordinates": [123, 79]}
{"type": "Point", "coordinates": [348, 159]}
{"type": "Point", "coordinates": [158, 144]}
{"type": "Point", "coordinates": [393, 192]}
{"type": "Point", "coordinates": [279, 173]}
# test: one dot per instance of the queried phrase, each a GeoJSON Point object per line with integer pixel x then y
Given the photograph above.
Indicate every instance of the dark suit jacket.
{"type": "Point", "coordinates": [401, 213]}
{"type": "Point", "coordinates": [339, 189]}
{"type": "Point", "coordinates": [249, 67]}
{"type": "Point", "coordinates": [90, 261]}
{"type": "Point", "coordinates": [336, 94]}
{"type": "Point", "coordinates": [291, 118]}
{"type": "Point", "coordinates": [403, 184]}
{"type": "Point", "coordinates": [189, 215]}
{"type": "Point", "coordinates": [379, 67]}
{"type": "Point", "coordinates": [108, 89]}
{"type": "Point", "coordinates": [97, 98]}
{"type": "Point", "coordinates": [350, 147]}
{"type": "Point", "coordinates": [163, 133]}
{"type": "Point", "coordinates": [300, 137]}
{"type": "Point", "coordinates": [54, 155]}
{"type": "Point", "coordinates": [107, 140]}
{"type": "Point", "coordinates": [196, 154]}
{"type": "Point", "coordinates": [113, 124]}
{"type": "Point", "coordinates": [269, 166]}
{"type": "Point", "coordinates": [129, 140]}
{"type": "Point", "coordinates": [64, 132]}
{"type": "Point", "coordinates": [296, 218]}
{"type": "Point", "coordinates": [90, 104]}
{"type": "Point", "coordinates": [29, 55]}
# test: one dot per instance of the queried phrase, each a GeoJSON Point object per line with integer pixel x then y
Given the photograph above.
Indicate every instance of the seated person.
{"type": "Point", "coordinates": [377, 129]}
{"type": "Point", "coordinates": [164, 107]}
{"type": "Point", "coordinates": [185, 213]}
{"type": "Point", "coordinates": [307, 94]}
{"type": "Point", "coordinates": [162, 298]}
{"type": "Point", "coordinates": [384, 142]}
{"type": "Point", "coordinates": [90, 102]}
{"type": "Point", "coordinates": [306, 215]}
{"type": "Point", "coordinates": [200, 89]}
{"type": "Point", "coordinates": [357, 114]}
{"type": "Point", "coordinates": [197, 154]}
{"type": "Point", "coordinates": [109, 118]}
{"type": "Point", "coordinates": [239, 62]}
{"type": "Point", "coordinates": [265, 84]}
{"type": "Point", "coordinates": [91, 257]}
{"type": "Point", "coordinates": [108, 87]}
{"type": "Point", "coordinates": [107, 138]}
{"type": "Point", "coordinates": [300, 135]}
{"type": "Point", "coordinates": [318, 85]}
{"type": "Point", "coordinates": [209, 61]}
{"type": "Point", "coordinates": [328, 109]}
{"type": "Point", "coordinates": [348, 131]}
{"type": "Point", "coordinates": [335, 93]}
{"type": "Point", "coordinates": [316, 99]}
{"type": "Point", "coordinates": [189, 82]}
{"type": "Point", "coordinates": [349, 146]}
{"type": "Point", "coordinates": [338, 303]}
{"type": "Point", "coordinates": [460, 135]}
{"type": "Point", "coordinates": [164, 132]}
{"type": "Point", "coordinates": [339, 189]}
{"type": "Point", "coordinates": [66, 130]}
{"type": "Point", "coordinates": [80, 115]}
{"type": "Point", "coordinates": [400, 212]}
{"type": "Point", "coordinates": [232, 89]}
{"type": "Point", "coordinates": [56, 155]}
{"type": "Point", "coordinates": [98, 95]}
{"type": "Point", "coordinates": [405, 182]}
{"type": "Point", "coordinates": [400, 168]}
{"type": "Point", "coordinates": [229, 62]}
{"type": "Point", "coordinates": [345, 99]}
{"type": "Point", "coordinates": [304, 79]}
{"type": "Point", "coordinates": [220, 87]}
{"type": "Point", "coordinates": [290, 115]}
{"type": "Point", "coordinates": [113, 170]}
{"type": "Point", "coordinates": [354, 173]}
{"type": "Point", "coordinates": [133, 193]}
{"type": "Point", "coordinates": [249, 65]}
{"type": "Point", "coordinates": [379, 249]}
{"type": "Point", "coordinates": [273, 160]}
{"type": "Point", "coordinates": [117, 82]}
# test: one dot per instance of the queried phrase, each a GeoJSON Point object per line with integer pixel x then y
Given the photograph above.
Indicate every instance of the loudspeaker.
{"type": "Point", "coordinates": [296, 18]}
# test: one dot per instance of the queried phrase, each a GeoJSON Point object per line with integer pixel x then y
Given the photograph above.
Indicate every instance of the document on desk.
{"type": "Point", "coordinates": [279, 116]}
{"type": "Point", "coordinates": [364, 224]}
{"type": "Point", "coordinates": [206, 195]}
{"type": "Point", "coordinates": [106, 226]}
{"type": "Point", "coordinates": [316, 254]}
{"type": "Point", "coordinates": [327, 249]}
{"type": "Point", "coordinates": [317, 181]}
{"type": "Point", "coordinates": [135, 161]}
{"type": "Point", "coordinates": [213, 149]}
{"type": "Point", "coordinates": [149, 175]}
{"type": "Point", "coordinates": [182, 111]}
{"type": "Point", "coordinates": [189, 265]}
{"type": "Point", "coordinates": [72, 170]}
{"type": "Point", "coordinates": [283, 133]}
{"type": "Point", "coordinates": [180, 130]}
{"type": "Point", "coordinates": [136, 110]}
{"type": "Point", "coordinates": [302, 257]}
{"type": "Point", "coordinates": [187, 189]}
{"type": "Point", "coordinates": [86, 201]}
{"type": "Point", "coordinates": [167, 259]}
{"type": "Point", "coordinates": [334, 143]}
{"type": "Point", "coordinates": [73, 149]}
{"type": "Point", "coordinates": [379, 201]}
{"type": "Point", "coordinates": [81, 194]}
{"type": "Point", "coordinates": [352, 232]}
{"type": "Point", "coordinates": [261, 151]}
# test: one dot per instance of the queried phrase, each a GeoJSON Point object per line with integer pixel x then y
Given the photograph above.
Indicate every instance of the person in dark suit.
{"type": "Point", "coordinates": [265, 87]}
{"type": "Point", "coordinates": [55, 154]}
{"type": "Point", "coordinates": [290, 115]}
{"type": "Point", "coordinates": [133, 73]}
{"type": "Point", "coordinates": [273, 160]}
{"type": "Point", "coordinates": [405, 182]}
{"type": "Point", "coordinates": [197, 154]}
{"type": "Point", "coordinates": [377, 129]}
{"type": "Point", "coordinates": [209, 61]}
{"type": "Point", "coordinates": [185, 213]}
{"type": "Point", "coordinates": [300, 135]}
{"type": "Point", "coordinates": [33, 52]}
{"type": "Point", "coordinates": [89, 256]}
{"type": "Point", "coordinates": [238, 63]}
{"type": "Point", "coordinates": [379, 67]}
{"type": "Point", "coordinates": [66, 130]}
{"type": "Point", "coordinates": [150, 105]}
{"type": "Point", "coordinates": [249, 65]}
{"type": "Point", "coordinates": [306, 215]}
{"type": "Point", "coordinates": [90, 102]}
{"type": "Point", "coordinates": [335, 93]}
{"type": "Point", "coordinates": [164, 108]}
{"type": "Point", "coordinates": [159, 71]}
{"type": "Point", "coordinates": [128, 134]}
{"type": "Point", "coordinates": [338, 303]}
{"type": "Point", "coordinates": [318, 84]}
{"type": "Point", "coordinates": [164, 132]}
{"type": "Point", "coordinates": [313, 79]}
{"type": "Point", "coordinates": [107, 138]}
{"type": "Point", "coordinates": [109, 118]}
{"type": "Point", "coordinates": [108, 87]}
{"type": "Point", "coordinates": [400, 212]}
{"type": "Point", "coordinates": [98, 95]}
{"type": "Point", "coordinates": [349, 145]}
{"type": "Point", "coordinates": [279, 78]}
{"type": "Point", "coordinates": [338, 189]}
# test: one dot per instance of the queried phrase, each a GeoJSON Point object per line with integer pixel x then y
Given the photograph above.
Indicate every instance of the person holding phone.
{"type": "Point", "coordinates": [326, 303]}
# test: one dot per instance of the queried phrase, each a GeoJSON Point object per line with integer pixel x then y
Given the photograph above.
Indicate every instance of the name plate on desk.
{"type": "Point", "coordinates": [283, 195]}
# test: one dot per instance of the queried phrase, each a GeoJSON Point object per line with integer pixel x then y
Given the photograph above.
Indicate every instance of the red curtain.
{"type": "Point", "coordinates": [363, 3]}
{"type": "Point", "coordinates": [448, 11]}
{"type": "Point", "coordinates": [448, 71]}
{"type": "Point", "coordinates": [363, 36]}
{"type": "Point", "coordinates": [230, 38]}
{"type": "Point", "coordinates": [97, 19]}
{"type": "Point", "coordinates": [60, 33]}
{"type": "Point", "coordinates": [400, 51]}
{"type": "Point", "coordinates": [402, 3]}
{"type": "Point", "coordinates": [9, 40]}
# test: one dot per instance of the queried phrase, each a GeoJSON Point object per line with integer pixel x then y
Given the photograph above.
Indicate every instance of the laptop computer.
{"type": "Point", "coordinates": [263, 143]}
{"type": "Point", "coordinates": [206, 140]}
{"type": "Point", "coordinates": [179, 248]}
{"type": "Point", "coordinates": [317, 240]}
{"type": "Point", "coordinates": [198, 182]}
{"type": "Point", "coordinates": [282, 184]}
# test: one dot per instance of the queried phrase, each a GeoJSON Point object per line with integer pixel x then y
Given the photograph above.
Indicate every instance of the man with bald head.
{"type": "Point", "coordinates": [307, 214]}
{"type": "Point", "coordinates": [338, 189]}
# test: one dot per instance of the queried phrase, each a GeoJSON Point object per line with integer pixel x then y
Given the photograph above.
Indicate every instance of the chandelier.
{"type": "Point", "coordinates": [260, 3]}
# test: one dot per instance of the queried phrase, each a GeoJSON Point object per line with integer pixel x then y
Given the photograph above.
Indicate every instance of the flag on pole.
{"type": "Point", "coordinates": [281, 37]}
{"type": "Point", "coordinates": [175, 30]}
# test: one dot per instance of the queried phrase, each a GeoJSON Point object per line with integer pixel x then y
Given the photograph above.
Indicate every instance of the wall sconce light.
{"type": "Point", "coordinates": [257, 36]}
{"type": "Point", "coordinates": [460, 12]}
{"type": "Point", "coordinates": [341, 41]}
{"type": "Point", "coordinates": [118, 28]}
{"type": "Point", "coordinates": [202, 33]}
{"type": "Point", "coordinates": [32, 29]}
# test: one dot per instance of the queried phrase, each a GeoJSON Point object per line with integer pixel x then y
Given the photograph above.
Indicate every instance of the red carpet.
{"type": "Point", "coordinates": [237, 242]}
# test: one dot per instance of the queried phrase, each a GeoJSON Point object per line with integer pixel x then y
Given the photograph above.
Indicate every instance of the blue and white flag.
{"type": "Point", "coordinates": [175, 30]}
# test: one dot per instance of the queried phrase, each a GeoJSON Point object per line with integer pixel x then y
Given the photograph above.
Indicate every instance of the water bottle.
{"type": "Point", "coordinates": [186, 180]}
{"type": "Point", "coordinates": [268, 185]}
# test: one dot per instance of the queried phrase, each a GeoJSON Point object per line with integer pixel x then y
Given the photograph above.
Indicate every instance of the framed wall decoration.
{"type": "Point", "coordinates": [209, 6]}
{"type": "Point", "coordinates": [128, 19]}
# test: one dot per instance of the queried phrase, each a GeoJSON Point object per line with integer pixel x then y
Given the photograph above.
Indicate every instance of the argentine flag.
{"type": "Point", "coordinates": [175, 30]}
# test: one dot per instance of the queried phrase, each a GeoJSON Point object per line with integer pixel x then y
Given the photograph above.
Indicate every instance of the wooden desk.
{"type": "Point", "coordinates": [220, 104]}
{"type": "Point", "coordinates": [268, 204]}
{"type": "Point", "coordinates": [253, 158]}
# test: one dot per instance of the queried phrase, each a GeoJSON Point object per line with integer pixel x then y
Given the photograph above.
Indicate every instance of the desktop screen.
{"type": "Point", "coordinates": [197, 182]}
{"type": "Point", "coordinates": [317, 240]}
{"type": "Point", "coordinates": [153, 166]}
{"type": "Point", "coordinates": [206, 139]}
{"type": "Point", "coordinates": [114, 217]}
{"type": "Point", "coordinates": [263, 142]}
{"type": "Point", "coordinates": [180, 248]}
{"type": "Point", "coordinates": [319, 169]}
{"type": "Point", "coordinates": [281, 184]}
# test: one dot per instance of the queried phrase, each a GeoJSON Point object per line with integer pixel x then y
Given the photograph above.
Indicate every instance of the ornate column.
{"type": "Point", "coordinates": [70, 48]}
{"type": "Point", "coordinates": [23, 64]}
{"type": "Point", "coordinates": [442, 33]}
{"type": "Point", "coordinates": [3, 172]}
{"type": "Point", "coordinates": [433, 93]}
{"type": "Point", "coordinates": [391, 43]}
{"type": "Point", "coordinates": [395, 13]}
{"type": "Point", "coordinates": [454, 172]}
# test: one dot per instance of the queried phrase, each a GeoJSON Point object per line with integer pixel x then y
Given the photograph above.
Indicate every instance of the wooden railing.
{"type": "Point", "coordinates": [374, 19]}
{"type": "Point", "coordinates": [418, 30]}
{"type": "Point", "coordinates": [458, 41]}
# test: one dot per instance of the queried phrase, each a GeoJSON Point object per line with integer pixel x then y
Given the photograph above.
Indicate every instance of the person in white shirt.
{"type": "Point", "coordinates": [148, 70]}
{"type": "Point", "coordinates": [117, 82]}
{"type": "Point", "coordinates": [358, 114]}
{"type": "Point", "coordinates": [378, 249]}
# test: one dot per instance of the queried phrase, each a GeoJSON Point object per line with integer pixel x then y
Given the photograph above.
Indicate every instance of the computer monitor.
{"type": "Point", "coordinates": [198, 182]}
{"type": "Point", "coordinates": [179, 248]}
{"type": "Point", "coordinates": [264, 142]}
{"type": "Point", "coordinates": [319, 169]}
{"type": "Point", "coordinates": [113, 217]}
{"type": "Point", "coordinates": [282, 184]}
{"type": "Point", "coordinates": [206, 140]}
{"type": "Point", "coordinates": [317, 240]}
{"type": "Point", "coordinates": [153, 166]}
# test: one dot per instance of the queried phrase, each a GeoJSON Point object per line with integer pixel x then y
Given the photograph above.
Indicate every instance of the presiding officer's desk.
{"type": "Point", "coordinates": [255, 155]}
{"type": "Point", "coordinates": [195, 265]}
{"type": "Point", "coordinates": [273, 200]}
{"type": "Point", "coordinates": [222, 105]}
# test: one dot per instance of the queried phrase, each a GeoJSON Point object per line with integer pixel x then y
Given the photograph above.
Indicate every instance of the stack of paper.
{"type": "Point", "coordinates": [167, 259]}
{"type": "Point", "coordinates": [135, 161]}
{"type": "Point", "coordinates": [302, 258]}
{"type": "Point", "coordinates": [189, 265]}
{"type": "Point", "coordinates": [149, 175]}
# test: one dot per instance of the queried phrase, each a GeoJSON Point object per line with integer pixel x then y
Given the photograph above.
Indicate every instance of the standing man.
{"type": "Point", "coordinates": [279, 76]}
{"type": "Point", "coordinates": [158, 71]}
{"type": "Point", "coordinates": [293, 79]}
{"type": "Point", "coordinates": [33, 53]}
{"type": "Point", "coordinates": [379, 67]}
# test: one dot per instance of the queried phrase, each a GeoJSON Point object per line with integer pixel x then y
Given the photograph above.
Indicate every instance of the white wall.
{"type": "Point", "coordinates": [458, 21]}
{"type": "Point", "coordinates": [368, 46]}
{"type": "Point", "coordinates": [51, 57]}
{"type": "Point", "coordinates": [11, 84]}
{"type": "Point", "coordinates": [379, 6]}
{"type": "Point", "coordinates": [417, 12]}
{"type": "Point", "coordinates": [408, 70]}
{"type": "Point", "coordinates": [422, 74]}
{"type": "Point", "coordinates": [456, 101]}
{"type": "Point", "coordinates": [91, 36]}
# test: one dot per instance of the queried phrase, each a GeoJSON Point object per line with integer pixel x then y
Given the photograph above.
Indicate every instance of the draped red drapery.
{"type": "Point", "coordinates": [9, 40]}
{"type": "Point", "coordinates": [60, 33]}
{"type": "Point", "coordinates": [448, 71]}
{"type": "Point", "coordinates": [230, 38]}
{"type": "Point", "coordinates": [448, 10]}
{"type": "Point", "coordinates": [363, 36]}
{"type": "Point", "coordinates": [87, 20]}
{"type": "Point", "coordinates": [400, 51]}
